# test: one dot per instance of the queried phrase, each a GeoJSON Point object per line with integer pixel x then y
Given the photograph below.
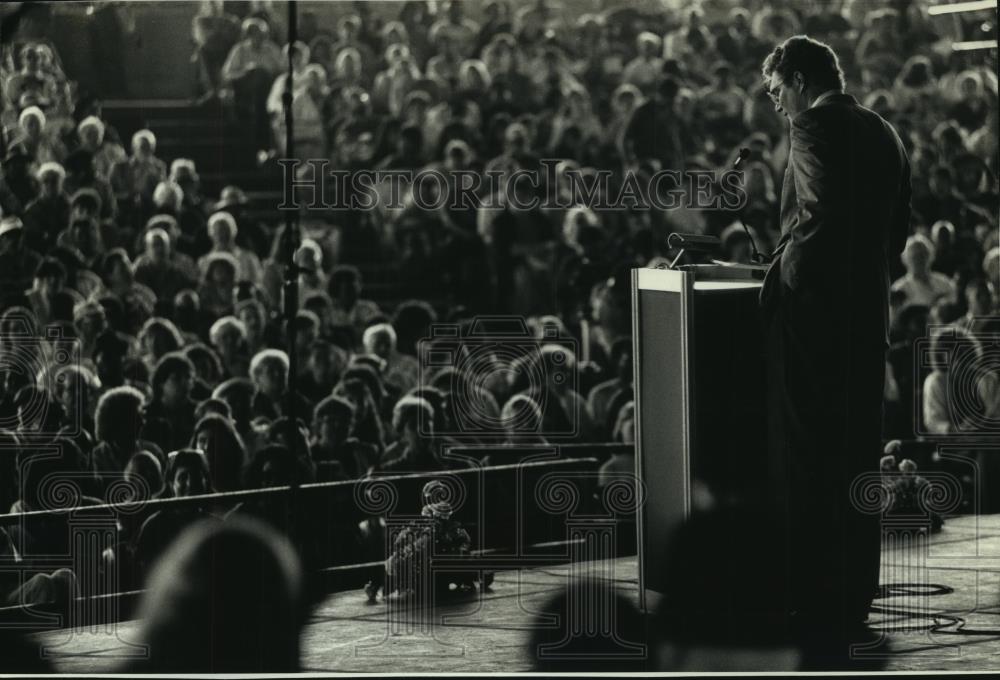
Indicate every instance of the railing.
{"type": "Point", "coordinates": [518, 515]}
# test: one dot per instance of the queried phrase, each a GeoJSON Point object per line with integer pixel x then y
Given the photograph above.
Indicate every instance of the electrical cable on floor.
{"type": "Point", "coordinates": [941, 621]}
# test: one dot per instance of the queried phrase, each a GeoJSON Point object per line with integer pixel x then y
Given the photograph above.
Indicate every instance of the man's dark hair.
{"type": "Point", "coordinates": [668, 88]}
{"type": "Point", "coordinates": [343, 275]}
{"type": "Point", "coordinates": [170, 364]}
{"type": "Point", "coordinates": [50, 267]}
{"type": "Point", "coordinates": [816, 61]}
{"type": "Point", "coordinates": [334, 406]}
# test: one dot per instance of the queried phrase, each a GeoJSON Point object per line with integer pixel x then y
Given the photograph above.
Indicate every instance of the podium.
{"type": "Point", "coordinates": [701, 416]}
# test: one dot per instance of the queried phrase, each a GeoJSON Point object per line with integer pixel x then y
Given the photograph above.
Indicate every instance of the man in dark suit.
{"type": "Point", "coordinates": [845, 211]}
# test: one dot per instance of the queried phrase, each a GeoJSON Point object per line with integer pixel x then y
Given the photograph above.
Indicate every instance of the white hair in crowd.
{"type": "Point", "coordinates": [223, 217]}
{"type": "Point", "coordinates": [223, 325]}
{"type": "Point", "coordinates": [412, 409]}
{"type": "Point", "coordinates": [474, 65]}
{"type": "Point", "coordinates": [396, 52]}
{"type": "Point", "coordinates": [340, 63]}
{"type": "Point", "coordinates": [265, 357]}
{"type": "Point", "coordinates": [254, 22]}
{"type": "Point", "coordinates": [373, 332]}
{"type": "Point", "coordinates": [522, 413]}
{"type": "Point", "coordinates": [313, 247]}
{"type": "Point", "coordinates": [942, 225]}
{"type": "Point", "coordinates": [169, 194]}
{"type": "Point", "coordinates": [301, 49]}
{"type": "Point", "coordinates": [148, 136]}
{"type": "Point", "coordinates": [182, 164]}
{"type": "Point", "coordinates": [915, 242]}
{"type": "Point", "coordinates": [648, 38]}
{"type": "Point", "coordinates": [571, 223]}
{"type": "Point", "coordinates": [157, 233]}
{"type": "Point", "coordinates": [51, 168]}
{"type": "Point", "coordinates": [317, 70]}
{"type": "Point", "coordinates": [92, 122]}
{"type": "Point", "coordinates": [32, 112]}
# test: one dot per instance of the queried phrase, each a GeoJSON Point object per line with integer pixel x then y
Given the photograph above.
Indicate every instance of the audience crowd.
{"type": "Point", "coordinates": [143, 330]}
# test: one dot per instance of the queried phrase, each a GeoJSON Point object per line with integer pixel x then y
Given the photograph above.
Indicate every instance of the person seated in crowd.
{"type": "Point", "coordinates": [48, 214]}
{"type": "Point", "coordinates": [238, 394]}
{"type": "Point", "coordinates": [215, 32]}
{"type": "Point", "coordinates": [186, 475]}
{"type": "Point", "coordinates": [980, 305]}
{"type": "Point", "coordinates": [42, 146]}
{"type": "Point", "coordinates": [324, 365]}
{"type": "Point", "coordinates": [18, 262]}
{"type": "Point", "coordinates": [85, 235]}
{"type": "Point", "coordinates": [368, 426]}
{"type": "Point", "coordinates": [170, 412]}
{"type": "Point", "coordinates": [186, 308]}
{"type": "Point", "coordinates": [401, 371]}
{"type": "Point", "coordinates": [30, 77]}
{"type": "Point", "coordinates": [144, 474]}
{"type": "Point", "coordinates": [253, 315]}
{"type": "Point", "coordinates": [412, 422]}
{"type": "Point", "coordinates": [118, 423]}
{"type": "Point", "coordinates": [157, 338]}
{"type": "Point", "coordinates": [228, 336]}
{"type": "Point", "coordinates": [607, 397]}
{"type": "Point", "coordinates": [350, 310]}
{"type": "Point", "coordinates": [105, 153]}
{"type": "Point", "coordinates": [522, 422]}
{"type": "Point", "coordinates": [196, 615]}
{"type": "Point", "coordinates": [184, 173]}
{"type": "Point", "coordinates": [50, 277]}
{"type": "Point", "coordinates": [157, 268]}
{"type": "Point", "coordinates": [207, 367]}
{"type": "Point", "coordinates": [248, 73]}
{"type": "Point", "coordinates": [81, 174]}
{"type": "Point", "coordinates": [953, 353]}
{"type": "Point", "coordinates": [135, 179]}
{"type": "Point", "coordinates": [255, 51]}
{"type": "Point", "coordinates": [338, 454]}
{"type": "Point", "coordinates": [75, 389]}
{"type": "Point", "coordinates": [564, 411]}
{"type": "Point", "coordinates": [110, 348]}
{"type": "Point", "coordinates": [222, 232]}
{"type": "Point", "coordinates": [269, 373]}
{"type": "Point", "coordinates": [220, 273]}
{"type": "Point", "coordinates": [920, 285]}
{"type": "Point", "coordinates": [216, 437]}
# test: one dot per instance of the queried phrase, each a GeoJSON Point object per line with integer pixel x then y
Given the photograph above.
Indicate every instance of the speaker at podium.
{"type": "Point", "coordinates": [701, 416]}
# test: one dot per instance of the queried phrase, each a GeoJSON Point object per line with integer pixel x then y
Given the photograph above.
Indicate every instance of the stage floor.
{"type": "Point", "coordinates": [489, 632]}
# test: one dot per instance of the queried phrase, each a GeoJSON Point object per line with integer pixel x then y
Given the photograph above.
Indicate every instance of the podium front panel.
{"type": "Point", "coordinates": [660, 308]}
{"type": "Point", "coordinates": [701, 416]}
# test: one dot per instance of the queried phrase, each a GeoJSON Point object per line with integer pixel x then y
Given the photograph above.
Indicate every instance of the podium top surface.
{"type": "Point", "coordinates": [706, 278]}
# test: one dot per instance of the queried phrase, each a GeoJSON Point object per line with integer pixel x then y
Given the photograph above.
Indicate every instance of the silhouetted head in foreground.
{"type": "Point", "coordinates": [590, 627]}
{"type": "Point", "coordinates": [225, 598]}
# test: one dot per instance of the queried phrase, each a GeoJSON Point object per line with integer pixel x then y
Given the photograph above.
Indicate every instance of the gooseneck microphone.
{"type": "Point", "coordinates": [755, 255]}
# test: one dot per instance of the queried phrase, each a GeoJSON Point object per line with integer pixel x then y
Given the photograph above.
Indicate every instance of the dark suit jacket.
{"type": "Point", "coordinates": [845, 212]}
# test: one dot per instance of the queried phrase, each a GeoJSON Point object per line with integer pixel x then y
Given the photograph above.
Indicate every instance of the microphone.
{"type": "Point", "coordinates": [742, 156]}
{"type": "Point", "coordinates": [755, 255]}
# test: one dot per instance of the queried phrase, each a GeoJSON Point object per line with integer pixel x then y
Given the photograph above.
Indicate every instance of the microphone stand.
{"type": "Point", "coordinates": [291, 238]}
{"type": "Point", "coordinates": [755, 255]}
